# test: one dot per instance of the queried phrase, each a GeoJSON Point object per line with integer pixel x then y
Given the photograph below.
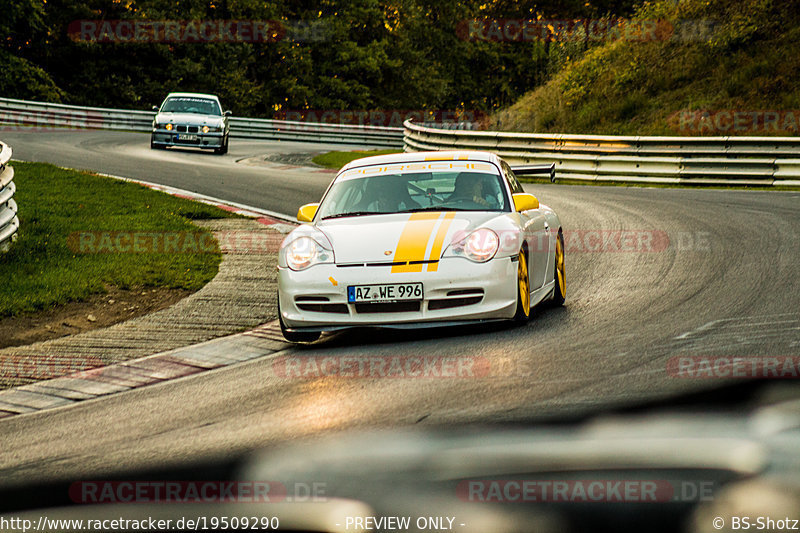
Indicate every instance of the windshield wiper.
{"type": "Point", "coordinates": [358, 214]}
{"type": "Point", "coordinates": [435, 208]}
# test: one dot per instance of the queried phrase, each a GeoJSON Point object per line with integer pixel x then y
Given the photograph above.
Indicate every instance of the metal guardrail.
{"type": "Point", "coordinates": [26, 115]}
{"type": "Point", "coordinates": [9, 223]}
{"type": "Point", "coordinates": [676, 160]}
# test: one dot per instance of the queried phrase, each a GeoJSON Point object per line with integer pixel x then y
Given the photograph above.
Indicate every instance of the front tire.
{"type": "Point", "coordinates": [295, 336]}
{"type": "Point", "coordinates": [559, 273]}
{"type": "Point", "coordinates": [222, 150]}
{"type": "Point", "coordinates": [523, 313]}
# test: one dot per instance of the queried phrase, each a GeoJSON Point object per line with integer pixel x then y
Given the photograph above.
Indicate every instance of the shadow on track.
{"type": "Point", "coordinates": [545, 317]}
{"type": "Point", "coordinates": [208, 152]}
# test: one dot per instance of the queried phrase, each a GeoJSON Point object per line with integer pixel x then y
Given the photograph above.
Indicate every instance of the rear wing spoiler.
{"type": "Point", "coordinates": [536, 170]}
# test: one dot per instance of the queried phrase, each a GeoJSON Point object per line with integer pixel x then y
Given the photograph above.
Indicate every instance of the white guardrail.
{"type": "Point", "coordinates": [9, 223]}
{"type": "Point", "coordinates": [761, 161]}
{"type": "Point", "coordinates": [26, 115]}
{"type": "Point", "coordinates": [677, 160]}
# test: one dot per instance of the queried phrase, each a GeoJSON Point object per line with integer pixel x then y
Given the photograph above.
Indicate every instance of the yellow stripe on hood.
{"type": "Point", "coordinates": [436, 249]}
{"type": "Point", "coordinates": [414, 241]}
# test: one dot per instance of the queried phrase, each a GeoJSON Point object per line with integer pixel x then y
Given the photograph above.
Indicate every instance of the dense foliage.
{"type": "Point", "coordinates": [721, 61]}
{"type": "Point", "coordinates": [369, 54]}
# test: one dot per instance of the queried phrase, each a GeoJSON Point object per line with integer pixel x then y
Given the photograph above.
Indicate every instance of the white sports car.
{"type": "Point", "coordinates": [419, 239]}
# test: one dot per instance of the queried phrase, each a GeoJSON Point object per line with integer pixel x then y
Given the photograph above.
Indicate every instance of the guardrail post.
{"type": "Point", "coordinates": [9, 223]}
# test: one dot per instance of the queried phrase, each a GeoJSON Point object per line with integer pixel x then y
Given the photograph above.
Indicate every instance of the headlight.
{"type": "Point", "coordinates": [206, 129]}
{"type": "Point", "coordinates": [168, 127]}
{"type": "Point", "coordinates": [479, 246]}
{"type": "Point", "coordinates": [304, 252]}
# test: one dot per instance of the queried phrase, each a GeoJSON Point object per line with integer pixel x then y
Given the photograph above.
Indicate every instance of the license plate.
{"type": "Point", "coordinates": [390, 292]}
{"type": "Point", "coordinates": [185, 137]}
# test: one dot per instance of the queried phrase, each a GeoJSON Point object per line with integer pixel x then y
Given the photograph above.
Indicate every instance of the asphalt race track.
{"type": "Point", "coordinates": [720, 279]}
{"type": "Point", "coordinates": [129, 155]}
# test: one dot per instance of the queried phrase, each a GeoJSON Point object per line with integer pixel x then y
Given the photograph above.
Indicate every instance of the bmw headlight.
{"type": "Point", "coordinates": [479, 246]}
{"type": "Point", "coordinates": [304, 252]}
{"type": "Point", "coordinates": [168, 127]}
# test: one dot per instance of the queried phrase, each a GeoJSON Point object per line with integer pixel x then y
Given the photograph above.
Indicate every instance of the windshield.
{"type": "Point", "coordinates": [455, 190]}
{"type": "Point", "coordinates": [199, 106]}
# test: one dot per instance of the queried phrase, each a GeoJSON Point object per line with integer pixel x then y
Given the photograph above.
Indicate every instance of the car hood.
{"type": "Point", "coordinates": [190, 119]}
{"type": "Point", "coordinates": [404, 237]}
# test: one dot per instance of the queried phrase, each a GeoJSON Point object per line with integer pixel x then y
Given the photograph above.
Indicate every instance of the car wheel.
{"type": "Point", "coordinates": [523, 289]}
{"type": "Point", "coordinates": [560, 274]}
{"type": "Point", "coordinates": [222, 150]}
{"type": "Point", "coordinates": [295, 336]}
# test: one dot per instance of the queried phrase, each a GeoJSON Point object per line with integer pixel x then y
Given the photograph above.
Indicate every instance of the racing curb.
{"type": "Point", "coordinates": [263, 340]}
{"type": "Point", "coordinates": [282, 222]}
{"type": "Point", "coordinates": [89, 384]}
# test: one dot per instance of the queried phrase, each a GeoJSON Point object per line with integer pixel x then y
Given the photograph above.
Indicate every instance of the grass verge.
{"type": "Point", "coordinates": [44, 268]}
{"type": "Point", "coordinates": [339, 159]}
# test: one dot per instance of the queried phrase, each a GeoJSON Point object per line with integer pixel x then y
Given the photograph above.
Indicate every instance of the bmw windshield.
{"type": "Point", "coordinates": [198, 106]}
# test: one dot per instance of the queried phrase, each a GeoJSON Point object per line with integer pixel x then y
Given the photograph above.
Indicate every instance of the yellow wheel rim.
{"type": "Point", "coordinates": [562, 278]}
{"type": "Point", "coordinates": [524, 284]}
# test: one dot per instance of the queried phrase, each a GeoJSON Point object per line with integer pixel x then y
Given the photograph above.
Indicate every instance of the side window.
{"type": "Point", "coordinates": [512, 180]}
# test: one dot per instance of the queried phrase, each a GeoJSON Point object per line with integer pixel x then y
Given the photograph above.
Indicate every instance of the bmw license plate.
{"type": "Point", "coordinates": [184, 137]}
{"type": "Point", "coordinates": [390, 292]}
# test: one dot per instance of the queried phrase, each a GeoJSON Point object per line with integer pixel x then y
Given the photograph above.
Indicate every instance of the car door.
{"type": "Point", "coordinates": [537, 235]}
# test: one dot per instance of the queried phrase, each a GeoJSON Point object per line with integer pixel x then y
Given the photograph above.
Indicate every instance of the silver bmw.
{"type": "Point", "coordinates": [191, 120]}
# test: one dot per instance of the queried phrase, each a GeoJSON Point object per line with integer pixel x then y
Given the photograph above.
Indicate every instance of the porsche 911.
{"type": "Point", "coordinates": [417, 240]}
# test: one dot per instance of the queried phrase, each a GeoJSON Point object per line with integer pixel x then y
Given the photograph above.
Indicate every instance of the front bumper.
{"type": "Point", "coordinates": [316, 298]}
{"type": "Point", "coordinates": [204, 140]}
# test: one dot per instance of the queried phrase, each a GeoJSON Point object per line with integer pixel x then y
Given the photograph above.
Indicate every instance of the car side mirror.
{"type": "Point", "coordinates": [155, 108]}
{"type": "Point", "coordinates": [228, 113]}
{"type": "Point", "coordinates": [307, 212]}
{"type": "Point", "coordinates": [524, 201]}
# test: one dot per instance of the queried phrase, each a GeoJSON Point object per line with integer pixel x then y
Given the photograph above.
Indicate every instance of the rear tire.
{"type": "Point", "coordinates": [523, 313]}
{"type": "Point", "coordinates": [295, 336]}
{"type": "Point", "coordinates": [559, 273]}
